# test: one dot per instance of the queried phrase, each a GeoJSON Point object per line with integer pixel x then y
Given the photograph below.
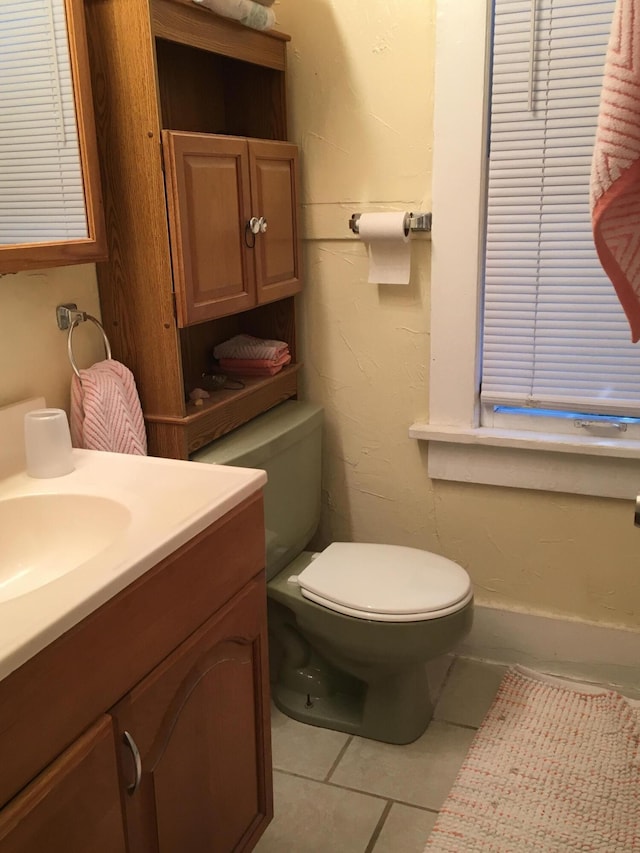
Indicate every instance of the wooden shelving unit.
{"type": "Point", "coordinates": [169, 65]}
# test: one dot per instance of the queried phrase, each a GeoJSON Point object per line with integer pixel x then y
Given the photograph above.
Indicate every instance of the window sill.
{"type": "Point", "coordinates": [583, 465]}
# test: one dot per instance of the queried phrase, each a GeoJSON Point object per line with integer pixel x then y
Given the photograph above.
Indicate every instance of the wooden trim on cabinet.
{"type": "Point", "coordinates": [136, 285]}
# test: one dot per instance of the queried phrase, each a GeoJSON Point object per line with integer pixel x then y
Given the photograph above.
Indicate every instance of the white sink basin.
{"type": "Point", "coordinates": [45, 536]}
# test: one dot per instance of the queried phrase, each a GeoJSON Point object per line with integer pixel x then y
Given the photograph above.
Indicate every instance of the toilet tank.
{"type": "Point", "coordinates": [286, 443]}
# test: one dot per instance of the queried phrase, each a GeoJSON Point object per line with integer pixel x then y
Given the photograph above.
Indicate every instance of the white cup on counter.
{"type": "Point", "coordinates": [47, 443]}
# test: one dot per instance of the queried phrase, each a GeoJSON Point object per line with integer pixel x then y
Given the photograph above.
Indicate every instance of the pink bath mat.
{"type": "Point", "coordinates": [555, 766]}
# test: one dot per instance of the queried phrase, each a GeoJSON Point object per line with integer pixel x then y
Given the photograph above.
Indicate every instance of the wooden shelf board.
{"type": "Point", "coordinates": [188, 23]}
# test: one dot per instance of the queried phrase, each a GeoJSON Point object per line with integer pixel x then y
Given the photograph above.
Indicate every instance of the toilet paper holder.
{"type": "Point", "coordinates": [413, 222]}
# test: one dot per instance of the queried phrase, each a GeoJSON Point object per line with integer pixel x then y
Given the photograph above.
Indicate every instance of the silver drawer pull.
{"type": "Point", "coordinates": [130, 742]}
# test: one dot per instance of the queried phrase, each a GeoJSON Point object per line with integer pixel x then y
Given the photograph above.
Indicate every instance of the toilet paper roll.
{"type": "Point", "coordinates": [389, 247]}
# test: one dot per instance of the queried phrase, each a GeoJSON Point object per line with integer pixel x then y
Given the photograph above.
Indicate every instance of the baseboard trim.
{"type": "Point", "coordinates": [604, 654]}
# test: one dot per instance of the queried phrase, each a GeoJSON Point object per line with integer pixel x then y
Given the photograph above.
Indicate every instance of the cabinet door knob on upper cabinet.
{"type": "Point", "coordinates": [257, 224]}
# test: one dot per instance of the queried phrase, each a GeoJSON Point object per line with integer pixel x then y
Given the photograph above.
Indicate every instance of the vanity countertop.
{"type": "Point", "coordinates": [159, 505]}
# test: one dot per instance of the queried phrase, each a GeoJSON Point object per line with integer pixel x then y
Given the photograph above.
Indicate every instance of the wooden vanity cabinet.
{"type": "Point", "coordinates": [192, 133]}
{"type": "Point", "coordinates": [193, 721]}
{"type": "Point", "coordinates": [178, 661]}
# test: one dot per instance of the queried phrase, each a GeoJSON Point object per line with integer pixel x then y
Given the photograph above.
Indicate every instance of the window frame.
{"type": "Point", "coordinates": [459, 448]}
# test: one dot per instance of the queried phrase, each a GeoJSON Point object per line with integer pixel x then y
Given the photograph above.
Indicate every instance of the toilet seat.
{"type": "Point", "coordinates": [385, 583]}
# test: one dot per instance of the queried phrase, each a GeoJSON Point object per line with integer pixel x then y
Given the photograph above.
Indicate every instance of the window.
{"type": "Point", "coordinates": [503, 449]}
{"type": "Point", "coordinates": [555, 336]}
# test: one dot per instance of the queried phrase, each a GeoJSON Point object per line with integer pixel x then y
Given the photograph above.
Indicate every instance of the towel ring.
{"type": "Point", "coordinates": [76, 322]}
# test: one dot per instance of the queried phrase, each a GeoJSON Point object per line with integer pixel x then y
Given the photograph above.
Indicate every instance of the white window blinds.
{"type": "Point", "coordinates": [555, 335]}
{"type": "Point", "coordinates": [41, 188]}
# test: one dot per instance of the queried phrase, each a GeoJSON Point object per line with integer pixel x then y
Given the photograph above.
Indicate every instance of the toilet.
{"type": "Point", "coordinates": [351, 628]}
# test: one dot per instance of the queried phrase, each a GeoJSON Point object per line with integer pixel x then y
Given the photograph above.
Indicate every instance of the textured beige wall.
{"type": "Point", "coordinates": [361, 84]}
{"type": "Point", "coordinates": [33, 351]}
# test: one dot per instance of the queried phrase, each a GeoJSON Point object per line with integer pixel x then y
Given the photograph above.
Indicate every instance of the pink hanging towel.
{"type": "Point", "coordinates": [105, 410]}
{"type": "Point", "coordinates": [615, 173]}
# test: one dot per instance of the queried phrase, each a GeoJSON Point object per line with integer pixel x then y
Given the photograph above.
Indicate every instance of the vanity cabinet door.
{"type": "Point", "coordinates": [73, 806]}
{"type": "Point", "coordinates": [200, 722]}
{"type": "Point", "coordinates": [274, 198]}
{"type": "Point", "coordinates": [208, 198]}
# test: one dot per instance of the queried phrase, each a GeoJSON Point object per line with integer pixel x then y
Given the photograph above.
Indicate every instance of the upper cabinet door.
{"type": "Point", "coordinates": [50, 198]}
{"type": "Point", "coordinates": [208, 198]}
{"type": "Point", "coordinates": [274, 198]}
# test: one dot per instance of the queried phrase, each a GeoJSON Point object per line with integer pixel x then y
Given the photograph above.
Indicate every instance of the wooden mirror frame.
{"type": "Point", "coordinates": [15, 257]}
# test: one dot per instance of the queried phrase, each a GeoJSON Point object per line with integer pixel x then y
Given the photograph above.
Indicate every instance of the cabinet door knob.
{"type": "Point", "coordinates": [130, 742]}
{"type": "Point", "coordinates": [255, 224]}
{"type": "Point", "coordinates": [262, 223]}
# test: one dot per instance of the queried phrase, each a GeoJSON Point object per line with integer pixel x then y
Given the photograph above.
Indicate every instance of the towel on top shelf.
{"type": "Point", "coordinates": [250, 356]}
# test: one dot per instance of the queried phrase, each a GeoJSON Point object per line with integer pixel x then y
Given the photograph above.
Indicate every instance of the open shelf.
{"type": "Point", "coordinates": [225, 410]}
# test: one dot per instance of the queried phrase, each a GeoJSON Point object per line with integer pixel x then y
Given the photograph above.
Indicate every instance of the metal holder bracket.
{"type": "Point", "coordinates": [416, 222]}
{"type": "Point", "coordinates": [68, 317]}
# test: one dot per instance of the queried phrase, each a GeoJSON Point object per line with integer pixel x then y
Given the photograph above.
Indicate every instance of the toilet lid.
{"type": "Point", "coordinates": [385, 582]}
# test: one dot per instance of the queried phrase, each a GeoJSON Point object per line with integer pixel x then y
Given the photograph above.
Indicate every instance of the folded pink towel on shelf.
{"type": "Point", "coordinates": [254, 363]}
{"type": "Point", "coordinates": [615, 173]}
{"type": "Point", "coordinates": [105, 410]}
{"type": "Point", "coordinates": [247, 346]}
{"type": "Point", "coordinates": [254, 367]}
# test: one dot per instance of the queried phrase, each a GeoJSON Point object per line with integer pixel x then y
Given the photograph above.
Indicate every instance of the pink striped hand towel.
{"type": "Point", "coordinates": [615, 172]}
{"type": "Point", "coordinates": [105, 410]}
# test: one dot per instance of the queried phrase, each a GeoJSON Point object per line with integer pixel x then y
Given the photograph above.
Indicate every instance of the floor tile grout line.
{"type": "Point", "coordinates": [378, 827]}
{"type": "Point", "coordinates": [338, 758]}
{"type": "Point", "coordinates": [357, 791]}
{"type": "Point", "coordinates": [445, 680]}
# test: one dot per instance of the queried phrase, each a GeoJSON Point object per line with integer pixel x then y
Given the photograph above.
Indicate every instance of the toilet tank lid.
{"type": "Point", "coordinates": [385, 579]}
{"type": "Point", "coordinates": [251, 445]}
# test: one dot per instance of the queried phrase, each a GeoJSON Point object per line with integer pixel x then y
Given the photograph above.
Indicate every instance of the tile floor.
{"type": "Point", "coordinates": [337, 793]}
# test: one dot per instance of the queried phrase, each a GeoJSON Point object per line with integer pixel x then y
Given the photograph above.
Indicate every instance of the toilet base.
{"type": "Point", "coordinates": [394, 710]}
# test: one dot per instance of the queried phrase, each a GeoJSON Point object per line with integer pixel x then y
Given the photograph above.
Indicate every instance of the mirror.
{"type": "Point", "coordinates": [50, 200]}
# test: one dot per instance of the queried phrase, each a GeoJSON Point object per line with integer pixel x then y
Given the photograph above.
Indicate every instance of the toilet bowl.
{"type": "Point", "coordinates": [351, 628]}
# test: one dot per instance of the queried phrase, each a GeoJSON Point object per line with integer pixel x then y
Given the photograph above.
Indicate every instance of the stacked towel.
{"type": "Point", "coordinates": [249, 356]}
{"type": "Point", "coordinates": [105, 410]}
{"type": "Point", "coordinates": [615, 175]}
